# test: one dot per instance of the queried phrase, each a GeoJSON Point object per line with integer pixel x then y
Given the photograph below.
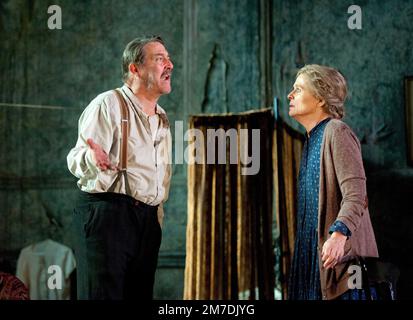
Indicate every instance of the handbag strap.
{"type": "Point", "coordinates": [124, 129]}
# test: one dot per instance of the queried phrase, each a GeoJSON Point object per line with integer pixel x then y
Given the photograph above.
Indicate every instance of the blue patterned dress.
{"type": "Point", "coordinates": [304, 282]}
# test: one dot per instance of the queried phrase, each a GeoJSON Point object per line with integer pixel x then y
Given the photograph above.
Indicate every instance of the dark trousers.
{"type": "Point", "coordinates": [117, 246]}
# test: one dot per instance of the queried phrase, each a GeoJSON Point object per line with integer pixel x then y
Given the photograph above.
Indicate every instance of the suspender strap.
{"type": "Point", "coordinates": [125, 130]}
{"type": "Point", "coordinates": [124, 144]}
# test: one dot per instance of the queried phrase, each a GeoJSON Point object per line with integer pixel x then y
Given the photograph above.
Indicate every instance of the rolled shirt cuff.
{"type": "Point", "coordinates": [340, 227]}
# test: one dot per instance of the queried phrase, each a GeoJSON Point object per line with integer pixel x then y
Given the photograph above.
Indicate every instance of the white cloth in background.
{"type": "Point", "coordinates": [33, 265]}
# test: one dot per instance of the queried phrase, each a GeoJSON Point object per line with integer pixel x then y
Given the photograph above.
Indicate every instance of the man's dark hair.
{"type": "Point", "coordinates": [134, 53]}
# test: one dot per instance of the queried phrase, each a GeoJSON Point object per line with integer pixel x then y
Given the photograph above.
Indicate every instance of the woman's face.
{"type": "Point", "coordinates": [303, 104]}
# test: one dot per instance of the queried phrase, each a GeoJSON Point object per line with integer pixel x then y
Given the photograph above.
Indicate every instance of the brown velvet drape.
{"type": "Point", "coordinates": [229, 248]}
{"type": "Point", "coordinates": [229, 252]}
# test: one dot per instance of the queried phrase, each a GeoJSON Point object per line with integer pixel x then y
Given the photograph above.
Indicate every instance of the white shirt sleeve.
{"type": "Point", "coordinates": [95, 123]}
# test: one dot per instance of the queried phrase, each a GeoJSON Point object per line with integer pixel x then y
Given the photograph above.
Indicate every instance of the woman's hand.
{"type": "Point", "coordinates": [333, 250]}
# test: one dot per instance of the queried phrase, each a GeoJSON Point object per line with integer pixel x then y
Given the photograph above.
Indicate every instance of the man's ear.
{"type": "Point", "coordinates": [133, 69]}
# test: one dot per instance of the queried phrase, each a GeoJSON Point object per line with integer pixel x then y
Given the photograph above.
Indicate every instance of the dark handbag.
{"type": "Point", "coordinates": [378, 276]}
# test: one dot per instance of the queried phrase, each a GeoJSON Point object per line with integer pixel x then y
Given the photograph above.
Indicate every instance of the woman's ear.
{"type": "Point", "coordinates": [321, 102]}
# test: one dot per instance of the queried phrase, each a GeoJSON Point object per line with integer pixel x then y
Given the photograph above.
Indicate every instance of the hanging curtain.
{"type": "Point", "coordinates": [287, 155]}
{"type": "Point", "coordinates": [229, 248]}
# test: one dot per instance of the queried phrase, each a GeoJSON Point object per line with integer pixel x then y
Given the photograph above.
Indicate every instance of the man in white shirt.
{"type": "Point", "coordinates": [119, 213]}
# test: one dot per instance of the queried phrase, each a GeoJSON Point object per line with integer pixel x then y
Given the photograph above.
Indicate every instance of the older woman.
{"type": "Point", "coordinates": [333, 224]}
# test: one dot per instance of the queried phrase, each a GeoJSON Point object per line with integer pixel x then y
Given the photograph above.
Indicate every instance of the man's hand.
{"type": "Point", "coordinates": [333, 250]}
{"type": "Point", "coordinates": [100, 157]}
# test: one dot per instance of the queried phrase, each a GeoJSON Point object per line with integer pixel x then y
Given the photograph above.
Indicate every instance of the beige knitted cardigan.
{"type": "Point", "coordinates": [343, 197]}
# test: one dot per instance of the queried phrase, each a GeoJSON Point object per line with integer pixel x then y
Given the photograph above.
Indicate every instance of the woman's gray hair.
{"type": "Point", "coordinates": [328, 84]}
{"type": "Point", "coordinates": [134, 53]}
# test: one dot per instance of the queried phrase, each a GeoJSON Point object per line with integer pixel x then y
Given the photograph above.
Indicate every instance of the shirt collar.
{"type": "Point", "coordinates": [318, 125]}
{"type": "Point", "coordinates": [135, 101]}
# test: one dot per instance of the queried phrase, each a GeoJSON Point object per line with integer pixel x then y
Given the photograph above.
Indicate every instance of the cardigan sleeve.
{"type": "Point", "coordinates": [348, 165]}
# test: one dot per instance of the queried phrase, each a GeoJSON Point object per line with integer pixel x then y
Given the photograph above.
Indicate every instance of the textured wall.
{"type": "Point", "coordinates": [227, 56]}
{"type": "Point", "coordinates": [374, 60]}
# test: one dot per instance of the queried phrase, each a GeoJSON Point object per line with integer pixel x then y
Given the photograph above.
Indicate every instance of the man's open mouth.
{"type": "Point", "coordinates": [166, 76]}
